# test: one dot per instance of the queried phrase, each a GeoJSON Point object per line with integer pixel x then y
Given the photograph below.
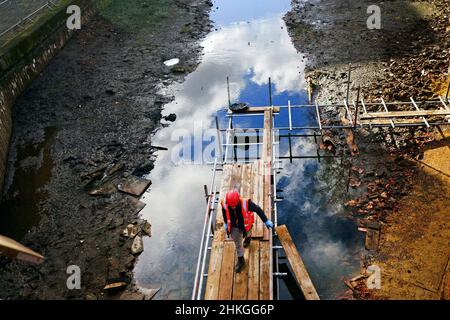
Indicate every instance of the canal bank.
{"type": "Point", "coordinates": [407, 57]}
{"type": "Point", "coordinates": [94, 106]}
{"type": "Point", "coordinates": [24, 53]}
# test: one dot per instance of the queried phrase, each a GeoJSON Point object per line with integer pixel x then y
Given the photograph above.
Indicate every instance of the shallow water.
{"type": "Point", "coordinates": [249, 44]}
{"type": "Point", "coordinates": [20, 208]}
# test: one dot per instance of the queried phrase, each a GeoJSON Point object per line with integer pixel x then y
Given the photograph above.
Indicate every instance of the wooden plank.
{"type": "Point", "coordinates": [246, 181]}
{"type": "Point", "coordinates": [267, 168]}
{"type": "Point", "coordinates": [388, 122]}
{"type": "Point", "coordinates": [297, 265]}
{"type": "Point", "coordinates": [236, 177]}
{"type": "Point", "coordinates": [256, 110]}
{"type": "Point", "coordinates": [372, 239]}
{"type": "Point", "coordinates": [402, 114]}
{"type": "Point", "coordinates": [264, 270]}
{"type": "Point", "coordinates": [227, 271]}
{"type": "Point", "coordinates": [240, 286]}
{"type": "Point", "coordinates": [259, 232]}
{"type": "Point", "coordinates": [215, 266]}
{"type": "Point", "coordinates": [15, 250]}
{"type": "Point", "coordinates": [255, 193]}
{"type": "Point", "coordinates": [253, 272]}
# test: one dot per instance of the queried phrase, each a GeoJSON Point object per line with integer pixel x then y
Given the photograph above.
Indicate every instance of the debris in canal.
{"type": "Point", "coordinates": [131, 231]}
{"type": "Point", "coordinates": [80, 148]}
{"type": "Point", "coordinates": [138, 245]}
{"type": "Point", "coordinates": [134, 185]}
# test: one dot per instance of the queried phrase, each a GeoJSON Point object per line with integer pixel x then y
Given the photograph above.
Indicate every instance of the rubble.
{"type": "Point", "coordinates": [131, 231]}
{"type": "Point", "coordinates": [147, 228]}
{"type": "Point", "coordinates": [134, 185]}
{"type": "Point", "coordinates": [138, 245]}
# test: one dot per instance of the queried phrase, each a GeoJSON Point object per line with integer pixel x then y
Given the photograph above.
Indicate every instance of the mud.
{"type": "Point", "coordinates": [407, 57]}
{"type": "Point", "coordinates": [87, 123]}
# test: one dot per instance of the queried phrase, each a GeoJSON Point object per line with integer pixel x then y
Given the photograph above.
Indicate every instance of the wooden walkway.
{"type": "Point", "coordinates": [254, 282]}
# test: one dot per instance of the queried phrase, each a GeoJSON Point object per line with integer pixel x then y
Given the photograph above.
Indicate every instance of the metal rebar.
{"type": "Point", "coordinates": [205, 252]}
{"type": "Point", "coordinates": [270, 93]}
{"type": "Point", "coordinates": [219, 145]}
{"type": "Point", "coordinates": [318, 117]}
{"type": "Point", "coordinates": [228, 90]}
{"type": "Point", "coordinates": [290, 115]}
{"type": "Point", "coordinates": [290, 148]}
{"type": "Point", "coordinates": [417, 108]}
{"type": "Point", "coordinates": [356, 108]}
{"type": "Point", "coordinates": [386, 109]}
{"type": "Point", "coordinates": [348, 80]}
{"type": "Point", "coordinates": [365, 110]}
{"type": "Point", "coordinates": [446, 94]}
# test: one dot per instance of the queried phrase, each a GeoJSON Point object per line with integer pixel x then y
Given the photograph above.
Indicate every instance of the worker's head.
{"type": "Point", "coordinates": [232, 198]}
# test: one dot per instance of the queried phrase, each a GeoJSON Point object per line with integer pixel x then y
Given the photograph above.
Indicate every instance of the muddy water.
{"type": "Point", "coordinates": [249, 44]}
{"type": "Point", "coordinates": [33, 164]}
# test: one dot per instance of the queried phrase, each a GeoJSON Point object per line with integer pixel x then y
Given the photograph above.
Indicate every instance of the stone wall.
{"type": "Point", "coordinates": [26, 55]}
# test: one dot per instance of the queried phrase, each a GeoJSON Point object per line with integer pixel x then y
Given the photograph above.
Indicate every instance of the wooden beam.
{"type": "Point", "coordinates": [297, 265]}
{"type": "Point", "coordinates": [395, 121]}
{"type": "Point", "coordinates": [403, 114]}
{"type": "Point", "coordinates": [255, 110]}
{"type": "Point", "coordinates": [15, 250]}
{"type": "Point", "coordinates": [265, 276]}
{"type": "Point", "coordinates": [227, 271]}
{"type": "Point", "coordinates": [258, 231]}
{"type": "Point", "coordinates": [253, 271]}
{"type": "Point", "coordinates": [267, 167]}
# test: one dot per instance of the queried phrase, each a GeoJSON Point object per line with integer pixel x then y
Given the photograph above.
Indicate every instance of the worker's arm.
{"type": "Point", "coordinates": [224, 214]}
{"type": "Point", "coordinates": [255, 208]}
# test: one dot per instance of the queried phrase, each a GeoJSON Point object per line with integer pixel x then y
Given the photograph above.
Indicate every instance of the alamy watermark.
{"type": "Point", "coordinates": [374, 20]}
{"type": "Point", "coordinates": [74, 279]}
{"type": "Point", "coordinates": [374, 279]}
{"type": "Point", "coordinates": [73, 22]}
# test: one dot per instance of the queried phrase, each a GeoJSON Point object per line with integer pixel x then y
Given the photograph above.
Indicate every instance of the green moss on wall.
{"type": "Point", "coordinates": [138, 15]}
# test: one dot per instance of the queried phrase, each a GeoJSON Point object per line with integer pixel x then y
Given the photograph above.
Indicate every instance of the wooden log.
{"type": "Point", "coordinates": [297, 265]}
{"type": "Point", "coordinates": [227, 271]}
{"type": "Point", "coordinates": [253, 272]}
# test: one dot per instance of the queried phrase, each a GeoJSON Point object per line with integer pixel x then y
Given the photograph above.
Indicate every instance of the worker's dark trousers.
{"type": "Point", "coordinates": [237, 236]}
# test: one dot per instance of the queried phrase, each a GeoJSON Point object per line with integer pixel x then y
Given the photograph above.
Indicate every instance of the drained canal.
{"type": "Point", "coordinates": [249, 44]}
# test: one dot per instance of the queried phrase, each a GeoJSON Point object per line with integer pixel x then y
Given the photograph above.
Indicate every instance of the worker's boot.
{"type": "Point", "coordinates": [247, 242]}
{"type": "Point", "coordinates": [240, 264]}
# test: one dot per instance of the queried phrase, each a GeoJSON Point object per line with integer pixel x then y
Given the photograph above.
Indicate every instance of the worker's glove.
{"type": "Point", "coordinates": [226, 227]}
{"type": "Point", "coordinates": [269, 224]}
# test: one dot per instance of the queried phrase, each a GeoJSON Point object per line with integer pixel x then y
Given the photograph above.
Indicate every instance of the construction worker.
{"type": "Point", "coordinates": [238, 215]}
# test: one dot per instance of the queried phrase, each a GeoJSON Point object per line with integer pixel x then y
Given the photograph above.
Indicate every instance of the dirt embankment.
{"type": "Point", "coordinates": [399, 177]}
{"type": "Point", "coordinates": [87, 123]}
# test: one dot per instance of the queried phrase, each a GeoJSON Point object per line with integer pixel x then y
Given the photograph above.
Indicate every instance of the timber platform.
{"type": "Point", "coordinates": [256, 178]}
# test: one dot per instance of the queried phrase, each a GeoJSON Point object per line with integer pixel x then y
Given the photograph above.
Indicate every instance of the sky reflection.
{"type": "Point", "coordinates": [250, 45]}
